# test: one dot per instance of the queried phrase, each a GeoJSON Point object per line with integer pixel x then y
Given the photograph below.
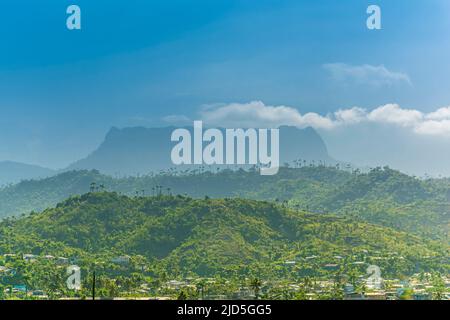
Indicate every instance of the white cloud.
{"type": "Point", "coordinates": [353, 115]}
{"type": "Point", "coordinates": [434, 127]}
{"type": "Point", "coordinates": [256, 114]}
{"type": "Point", "coordinates": [365, 74]}
{"type": "Point", "coordinates": [392, 113]}
{"type": "Point", "coordinates": [440, 114]}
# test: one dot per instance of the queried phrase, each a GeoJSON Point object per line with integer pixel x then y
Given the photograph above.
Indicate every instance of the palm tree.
{"type": "Point", "coordinates": [438, 288]}
{"type": "Point", "coordinates": [256, 284]}
{"type": "Point", "coordinates": [158, 190]}
{"type": "Point", "coordinates": [182, 296]}
{"type": "Point", "coordinates": [201, 288]}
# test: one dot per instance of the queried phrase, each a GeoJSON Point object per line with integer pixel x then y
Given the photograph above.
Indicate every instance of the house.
{"type": "Point", "coordinates": [349, 289]}
{"type": "Point", "coordinates": [121, 260]}
{"type": "Point", "coordinates": [331, 267]}
{"type": "Point", "coordinates": [376, 295]}
{"type": "Point", "coordinates": [354, 296]}
{"type": "Point", "coordinates": [62, 261]}
{"type": "Point", "coordinates": [242, 294]}
{"type": "Point", "coordinates": [39, 294]}
{"type": "Point", "coordinates": [29, 257]}
{"type": "Point", "coordinates": [175, 284]}
{"type": "Point", "coordinates": [421, 295]}
{"type": "Point", "coordinates": [4, 270]}
{"type": "Point", "coordinates": [310, 296]}
{"type": "Point", "coordinates": [391, 294]}
{"type": "Point", "coordinates": [19, 288]}
{"type": "Point", "coordinates": [215, 297]}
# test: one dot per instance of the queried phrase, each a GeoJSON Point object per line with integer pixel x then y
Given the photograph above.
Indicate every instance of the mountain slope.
{"type": "Point", "coordinates": [132, 151]}
{"type": "Point", "coordinates": [210, 237]}
{"type": "Point", "coordinates": [13, 172]}
{"type": "Point", "coordinates": [381, 196]}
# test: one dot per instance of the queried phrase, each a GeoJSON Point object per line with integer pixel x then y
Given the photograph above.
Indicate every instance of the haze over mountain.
{"type": "Point", "coordinates": [383, 145]}
{"type": "Point", "coordinates": [13, 172]}
{"type": "Point", "coordinates": [381, 196]}
{"type": "Point", "coordinates": [140, 150]}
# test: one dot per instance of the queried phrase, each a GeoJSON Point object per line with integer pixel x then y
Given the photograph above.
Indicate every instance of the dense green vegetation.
{"type": "Point", "coordinates": [182, 236]}
{"type": "Point", "coordinates": [309, 232]}
{"type": "Point", "coordinates": [381, 196]}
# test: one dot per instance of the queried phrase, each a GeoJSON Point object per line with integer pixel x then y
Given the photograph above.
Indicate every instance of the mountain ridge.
{"type": "Point", "coordinates": [141, 150]}
{"type": "Point", "coordinates": [382, 196]}
{"type": "Point", "coordinates": [13, 172]}
{"type": "Point", "coordinates": [208, 237]}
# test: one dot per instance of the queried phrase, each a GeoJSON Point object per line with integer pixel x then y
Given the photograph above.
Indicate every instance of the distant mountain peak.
{"type": "Point", "coordinates": [140, 150]}
{"type": "Point", "coordinates": [12, 172]}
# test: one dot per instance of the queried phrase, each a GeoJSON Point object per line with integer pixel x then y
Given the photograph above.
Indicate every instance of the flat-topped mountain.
{"type": "Point", "coordinates": [139, 150]}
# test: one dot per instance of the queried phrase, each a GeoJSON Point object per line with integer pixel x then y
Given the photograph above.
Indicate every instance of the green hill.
{"type": "Point", "coordinates": [381, 196]}
{"type": "Point", "coordinates": [209, 237]}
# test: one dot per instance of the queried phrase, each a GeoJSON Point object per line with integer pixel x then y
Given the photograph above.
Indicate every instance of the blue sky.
{"type": "Point", "coordinates": [136, 62]}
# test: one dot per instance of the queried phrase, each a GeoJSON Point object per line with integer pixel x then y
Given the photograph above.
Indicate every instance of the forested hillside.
{"type": "Point", "coordinates": [382, 196]}
{"type": "Point", "coordinates": [181, 235]}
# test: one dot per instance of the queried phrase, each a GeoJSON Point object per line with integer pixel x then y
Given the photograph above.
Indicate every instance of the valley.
{"type": "Point", "coordinates": [160, 244]}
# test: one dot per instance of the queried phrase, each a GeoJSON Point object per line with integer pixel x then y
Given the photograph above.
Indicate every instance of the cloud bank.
{"type": "Point", "coordinates": [365, 74]}
{"type": "Point", "coordinates": [256, 114]}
